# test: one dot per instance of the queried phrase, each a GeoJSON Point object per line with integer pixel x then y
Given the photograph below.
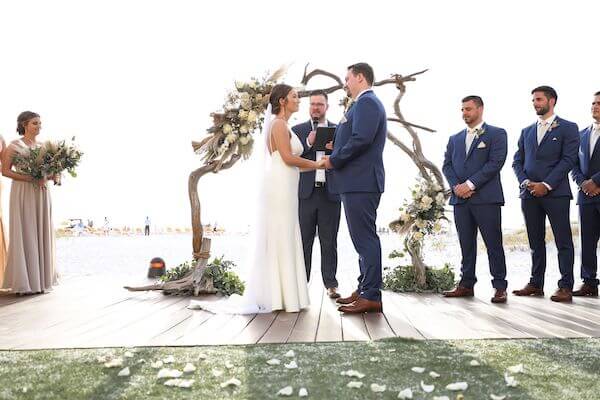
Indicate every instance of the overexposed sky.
{"type": "Point", "coordinates": [135, 82]}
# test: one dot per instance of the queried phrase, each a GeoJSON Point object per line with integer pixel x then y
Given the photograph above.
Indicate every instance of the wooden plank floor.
{"type": "Point", "coordinates": [82, 313]}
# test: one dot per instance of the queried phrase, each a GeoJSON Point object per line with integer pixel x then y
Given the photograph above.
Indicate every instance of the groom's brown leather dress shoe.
{"type": "Point", "coordinates": [348, 300]}
{"type": "Point", "coordinates": [499, 296]}
{"type": "Point", "coordinates": [362, 305]}
{"type": "Point", "coordinates": [459, 291]}
{"type": "Point", "coordinates": [529, 290]}
{"type": "Point", "coordinates": [562, 295]}
{"type": "Point", "coordinates": [333, 293]}
{"type": "Point", "coordinates": [586, 290]}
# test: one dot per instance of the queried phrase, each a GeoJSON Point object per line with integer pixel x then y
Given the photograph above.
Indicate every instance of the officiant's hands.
{"type": "Point", "coordinates": [329, 145]}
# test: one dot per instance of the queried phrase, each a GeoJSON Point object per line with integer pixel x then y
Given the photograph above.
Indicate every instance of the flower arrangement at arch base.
{"type": "Point", "coordinates": [420, 217]}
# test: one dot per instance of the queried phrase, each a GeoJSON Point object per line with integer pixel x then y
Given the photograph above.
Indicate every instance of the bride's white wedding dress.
{"type": "Point", "coordinates": [277, 275]}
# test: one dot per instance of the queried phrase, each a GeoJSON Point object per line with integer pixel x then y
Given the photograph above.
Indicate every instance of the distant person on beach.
{"type": "Point", "coordinates": [106, 226]}
{"type": "Point", "coordinates": [31, 253]}
{"type": "Point", "coordinates": [147, 227]}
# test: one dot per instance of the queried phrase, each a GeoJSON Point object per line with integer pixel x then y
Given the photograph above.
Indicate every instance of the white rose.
{"type": "Point", "coordinates": [244, 140]}
{"type": "Point", "coordinates": [243, 114]}
{"type": "Point", "coordinates": [253, 85]}
{"type": "Point", "coordinates": [437, 227]}
{"type": "Point", "coordinates": [239, 85]}
{"type": "Point", "coordinates": [246, 104]}
{"type": "Point", "coordinates": [420, 223]}
{"type": "Point", "coordinates": [252, 117]}
{"type": "Point", "coordinates": [418, 235]}
{"type": "Point", "coordinates": [227, 129]}
{"type": "Point", "coordinates": [426, 201]}
{"type": "Point", "coordinates": [232, 137]}
{"type": "Point", "coordinates": [244, 129]}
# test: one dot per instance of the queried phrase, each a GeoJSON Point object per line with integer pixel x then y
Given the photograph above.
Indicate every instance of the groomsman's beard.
{"type": "Point", "coordinates": [542, 110]}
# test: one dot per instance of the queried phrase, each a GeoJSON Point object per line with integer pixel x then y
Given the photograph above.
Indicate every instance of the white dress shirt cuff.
{"type": "Point", "coordinates": [548, 186]}
{"type": "Point", "coordinates": [470, 184]}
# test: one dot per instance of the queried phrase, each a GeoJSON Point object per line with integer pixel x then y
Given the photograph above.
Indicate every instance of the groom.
{"type": "Point", "coordinates": [358, 177]}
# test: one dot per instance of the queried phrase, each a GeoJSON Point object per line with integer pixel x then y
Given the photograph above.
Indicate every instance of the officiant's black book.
{"type": "Point", "coordinates": [324, 136]}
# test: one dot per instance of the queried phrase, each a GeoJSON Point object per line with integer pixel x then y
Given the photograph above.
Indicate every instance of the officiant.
{"type": "Point", "coordinates": [319, 209]}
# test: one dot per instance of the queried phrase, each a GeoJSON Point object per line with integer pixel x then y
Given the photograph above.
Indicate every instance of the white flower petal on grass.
{"type": "Point", "coordinates": [510, 380]}
{"type": "Point", "coordinates": [202, 356]}
{"type": "Point", "coordinates": [228, 364]}
{"type": "Point", "coordinates": [169, 360]}
{"type": "Point", "coordinates": [494, 397]}
{"type": "Point", "coordinates": [116, 362]}
{"type": "Point", "coordinates": [286, 391]}
{"type": "Point", "coordinates": [474, 363]}
{"type": "Point", "coordinates": [457, 386]}
{"type": "Point", "coordinates": [427, 388]}
{"type": "Point", "coordinates": [418, 370]}
{"type": "Point", "coordinates": [354, 384]}
{"type": "Point", "coordinates": [391, 350]}
{"type": "Point", "coordinates": [405, 394]}
{"type": "Point", "coordinates": [376, 388]}
{"type": "Point", "coordinates": [434, 374]}
{"type": "Point", "coordinates": [516, 369]}
{"type": "Point", "coordinates": [101, 359]}
{"type": "Point", "coordinates": [291, 365]}
{"type": "Point", "coordinates": [290, 354]}
{"type": "Point", "coordinates": [231, 382]}
{"type": "Point", "coordinates": [373, 359]}
{"type": "Point", "coordinates": [217, 373]}
{"type": "Point", "coordinates": [128, 354]}
{"type": "Point", "coordinates": [273, 361]}
{"type": "Point", "coordinates": [189, 367]}
{"type": "Point", "coordinates": [157, 365]}
{"type": "Point", "coordinates": [302, 392]}
{"type": "Point", "coordinates": [124, 372]}
{"type": "Point", "coordinates": [168, 373]}
{"type": "Point", "coordinates": [141, 361]}
{"type": "Point", "coordinates": [352, 373]}
{"type": "Point", "coordinates": [182, 383]}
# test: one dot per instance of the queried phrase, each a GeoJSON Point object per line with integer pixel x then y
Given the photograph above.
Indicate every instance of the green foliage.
{"type": "Point", "coordinates": [402, 279]}
{"type": "Point", "coordinates": [225, 281]}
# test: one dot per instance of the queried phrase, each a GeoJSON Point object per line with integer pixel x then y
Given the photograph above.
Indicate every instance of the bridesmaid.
{"type": "Point", "coordinates": [30, 261]}
{"type": "Point", "coordinates": [2, 234]}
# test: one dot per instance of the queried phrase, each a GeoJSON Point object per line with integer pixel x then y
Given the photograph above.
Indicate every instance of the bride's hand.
{"type": "Point", "coordinates": [321, 163]}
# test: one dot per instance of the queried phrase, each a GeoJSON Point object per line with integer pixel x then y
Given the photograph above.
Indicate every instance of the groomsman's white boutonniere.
{"type": "Point", "coordinates": [479, 132]}
{"type": "Point", "coordinates": [555, 124]}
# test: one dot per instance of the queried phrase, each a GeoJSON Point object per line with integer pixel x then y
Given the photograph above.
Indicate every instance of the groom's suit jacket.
{"type": "Point", "coordinates": [307, 179]}
{"type": "Point", "coordinates": [357, 155]}
{"type": "Point", "coordinates": [551, 160]}
{"type": "Point", "coordinates": [481, 165]}
{"type": "Point", "coordinates": [587, 167]}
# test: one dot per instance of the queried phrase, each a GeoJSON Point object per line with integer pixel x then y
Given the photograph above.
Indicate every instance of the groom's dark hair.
{"type": "Point", "coordinates": [365, 69]}
{"type": "Point", "coordinates": [475, 99]}
{"type": "Point", "coordinates": [548, 91]}
{"type": "Point", "coordinates": [597, 93]}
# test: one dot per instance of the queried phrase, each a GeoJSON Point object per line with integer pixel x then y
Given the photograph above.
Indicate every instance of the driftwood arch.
{"type": "Point", "coordinates": [214, 163]}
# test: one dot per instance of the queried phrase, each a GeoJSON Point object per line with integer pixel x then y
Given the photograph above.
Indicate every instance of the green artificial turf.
{"type": "Point", "coordinates": [554, 369]}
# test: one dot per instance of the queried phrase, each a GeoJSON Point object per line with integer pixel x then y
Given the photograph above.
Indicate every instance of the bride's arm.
{"type": "Point", "coordinates": [7, 156]}
{"type": "Point", "coordinates": [281, 137]}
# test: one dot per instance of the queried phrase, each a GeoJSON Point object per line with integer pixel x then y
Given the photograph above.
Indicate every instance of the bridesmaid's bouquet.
{"type": "Point", "coordinates": [49, 160]}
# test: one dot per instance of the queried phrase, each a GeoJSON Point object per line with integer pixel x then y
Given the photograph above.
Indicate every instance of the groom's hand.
{"type": "Point", "coordinates": [328, 164]}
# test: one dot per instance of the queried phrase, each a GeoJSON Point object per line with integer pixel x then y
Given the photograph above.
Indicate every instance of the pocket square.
{"type": "Point", "coordinates": [481, 145]}
{"type": "Point", "coordinates": [554, 139]}
{"type": "Point", "coordinates": [343, 120]}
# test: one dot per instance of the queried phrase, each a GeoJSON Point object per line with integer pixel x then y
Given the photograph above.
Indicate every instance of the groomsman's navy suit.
{"type": "Point", "coordinates": [481, 165]}
{"type": "Point", "coordinates": [359, 177]}
{"type": "Point", "coordinates": [588, 167]}
{"type": "Point", "coordinates": [548, 162]}
{"type": "Point", "coordinates": [318, 208]}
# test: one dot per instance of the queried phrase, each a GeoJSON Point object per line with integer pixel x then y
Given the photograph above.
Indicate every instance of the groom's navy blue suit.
{"type": "Point", "coordinates": [359, 177]}
{"type": "Point", "coordinates": [550, 162]}
{"type": "Point", "coordinates": [588, 167]}
{"type": "Point", "coordinates": [481, 165]}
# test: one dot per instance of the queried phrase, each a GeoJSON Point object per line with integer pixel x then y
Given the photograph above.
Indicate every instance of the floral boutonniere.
{"type": "Point", "coordinates": [347, 102]}
{"type": "Point", "coordinates": [554, 125]}
{"type": "Point", "coordinates": [479, 132]}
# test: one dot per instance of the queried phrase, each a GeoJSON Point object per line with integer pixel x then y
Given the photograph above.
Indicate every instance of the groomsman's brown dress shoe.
{"type": "Point", "coordinates": [348, 300]}
{"type": "Point", "coordinates": [332, 293]}
{"type": "Point", "coordinates": [562, 295]}
{"type": "Point", "coordinates": [459, 291]}
{"type": "Point", "coordinates": [586, 290]}
{"type": "Point", "coordinates": [529, 290]}
{"type": "Point", "coordinates": [362, 305]}
{"type": "Point", "coordinates": [499, 296]}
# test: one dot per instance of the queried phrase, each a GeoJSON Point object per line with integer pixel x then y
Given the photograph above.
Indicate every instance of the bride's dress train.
{"type": "Point", "coordinates": [277, 275]}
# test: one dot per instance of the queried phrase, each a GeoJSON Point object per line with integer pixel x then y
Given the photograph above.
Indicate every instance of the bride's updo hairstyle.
{"type": "Point", "coordinates": [279, 91]}
{"type": "Point", "coordinates": [23, 119]}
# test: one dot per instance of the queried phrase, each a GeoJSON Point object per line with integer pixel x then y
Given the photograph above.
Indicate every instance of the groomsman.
{"type": "Point", "coordinates": [586, 174]}
{"type": "Point", "coordinates": [319, 209]}
{"type": "Point", "coordinates": [472, 164]}
{"type": "Point", "coordinates": [547, 152]}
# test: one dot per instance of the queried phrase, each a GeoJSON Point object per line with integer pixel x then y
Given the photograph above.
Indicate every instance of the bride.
{"type": "Point", "coordinates": [277, 276]}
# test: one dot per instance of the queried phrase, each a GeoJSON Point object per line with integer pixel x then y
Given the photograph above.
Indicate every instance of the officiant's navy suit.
{"type": "Point", "coordinates": [481, 165]}
{"type": "Point", "coordinates": [550, 162]}
{"type": "Point", "coordinates": [359, 177]}
{"type": "Point", "coordinates": [318, 208]}
{"type": "Point", "coordinates": [588, 167]}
